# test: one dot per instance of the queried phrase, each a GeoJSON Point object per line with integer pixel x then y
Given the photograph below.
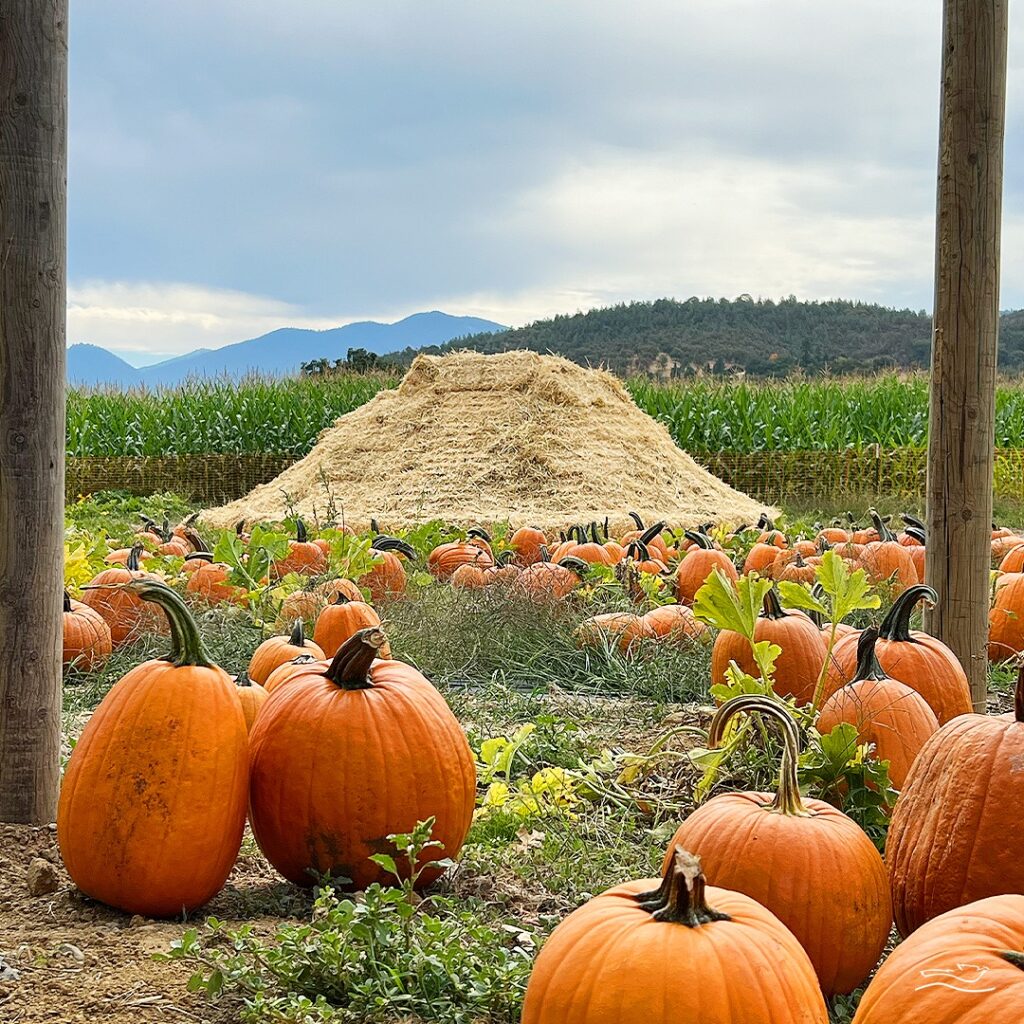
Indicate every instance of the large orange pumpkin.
{"type": "Point", "coordinates": [277, 650]}
{"type": "Point", "coordinates": [912, 657]}
{"type": "Point", "coordinates": [341, 620]}
{"type": "Point", "coordinates": [964, 967]}
{"type": "Point", "coordinates": [153, 803]}
{"type": "Point", "coordinates": [290, 670]}
{"type": "Point", "coordinates": [342, 757]}
{"type": "Point", "coordinates": [675, 623]}
{"type": "Point", "coordinates": [210, 584]}
{"type": "Point", "coordinates": [803, 650]}
{"type": "Point", "coordinates": [387, 579]}
{"type": "Point", "coordinates": [885, 712]}
{"type": "Point", "coordinates": [545, 580]}
{"type": "Point", "coordinates": [526, 542]}
{"type": "Point", "coordinates": [304, 556]}
{"type": "Point", "coordinates": [953, 837]}
{"type": "Point", "coordinates": [1006, 618]}
{"type": "Point", "coordinates": [673, 951]}
{"type": "Point", "coordinates": [127, 615]}
{"type": "Point", "coordinates": [699, 562]}
{"type": "Point", "coordinates": [886, 560]}
{"type": "Point", "coordinates": [446, 558]}
{"type": "Point", "coordinates": [87, 640]}
{"type": "Point", "coordinates": [621, 630]}
{"type": "Point", "coordinates": [804, 860]}
{"type": "Point", "coordinates": [252, 697]}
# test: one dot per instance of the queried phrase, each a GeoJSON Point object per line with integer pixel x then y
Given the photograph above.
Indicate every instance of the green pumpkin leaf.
{"type": "Point", "coordinates": [796, 595]}
{"type": "Point", "coordinates": [734, 606]}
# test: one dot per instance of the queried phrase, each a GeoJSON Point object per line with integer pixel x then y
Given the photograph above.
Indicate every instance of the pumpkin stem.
{"type": "Point", "coordinates": [505, 558]}
{"type": "Point", "coordinates": [772, 607]}
{"type": "Point", "coordinates": [243, 680]}
{"type": "Point", "coordinates": [1018, 696]}
{"type": "Point", "coordinates": [884, 533]}
{"type": "Point", "coordinates": [919, 535]}
{"type": "Point", "coordinates": [67, 601]}
{"type": "Point", "coordinates": [910, 520]}
{"type": "Point", "coordinates": [350, 669]}
{"type": "Point", "coordinates": [132, 562]}
{"type": "Point", "coordinates": [816, 617]}
{"type": "Point", "coordinates": [593, 533]}
{"type": "Point", "coordinates": [636, 519]}
{"type": "Point", "coordinates": [298, 637]}
{"type": "Point", "coordinates": [698, 539]}
{"type": "Point", "coordinates": [867, 663]}
{"type": "Point", "coordinates": [896, 624]}
{"type": "Point", "coordinates": [1013, 957]}
{"type": "Point", "coordinates": [207, 555]}
{"type": "Point", "coordinates": [653, 531]}
{"type": "Point", "coordinates": [680, 898]}
{"type": "Point", "coordinates": [787, 795]}
{"type": "Point", "coordinates": [545, 555]}
{"type": "Point", "coordinates": [576, 565]}
{"type": "Point", "coordinates": [300, 531]}
{"type": "Point", "coordinates": [383, 542]}
{"type": "Point", "coordinates": [239, 527]}
{"type": "Point", "coordinates": [186, 644]}
{"type": "Point", "coordinates": [480, 532]}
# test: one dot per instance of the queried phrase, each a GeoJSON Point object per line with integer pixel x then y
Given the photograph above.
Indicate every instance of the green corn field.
{"type": "Point", "coordinates": [703, 415]}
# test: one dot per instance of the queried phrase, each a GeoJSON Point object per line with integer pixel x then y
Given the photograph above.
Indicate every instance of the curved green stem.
{"type": "Point", "coordinates": [350, 669]}
{"type": "Point", "coordinates": [884, 533]}
{"type": "Point", "coordinates": [896, 624]}
{"type": "Point", "coordinates": [300, 531]}
{"type": "Point", "coordinates": [681, 899]}
{"type": "Point", "coordinates": [698, 539]}
{"type": "Point", "coordinates": [383, 542]}
{"type": "Point", "coordinates": [636, 519]}
{"type": "Point", "coordinates": [132, 562]}
{"type": "Point", "coordinates": [787, 796]}
{"type": "Point", "coordinates": [867, 663]}
{"type": "Point", "coordinates": [298, 635]}
{"type": "Point", "coordinates": [186, 644]}
{"type": "Point", "coordinates": [576, 565]}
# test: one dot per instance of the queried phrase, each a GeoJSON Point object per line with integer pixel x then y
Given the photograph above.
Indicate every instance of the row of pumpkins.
{"type": "Point", "coordinates": [349, 747]}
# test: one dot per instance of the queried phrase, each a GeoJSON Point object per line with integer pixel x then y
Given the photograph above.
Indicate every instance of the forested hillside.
{"type": "Point", "coordinates": [760, 337]}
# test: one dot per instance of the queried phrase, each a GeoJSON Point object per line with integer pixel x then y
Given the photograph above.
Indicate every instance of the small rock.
{"type": "Point", "coordinates": [137, 921]}
{"type": "Point", "coordinates": [8, 973]}
{"type": "Point", "coordinates": [68, 949]}
{"type": "Point", "coordinates": [52, 826]}
{"type": "Point", "coordinates": [51, 855]}
{"type": "Point", "coordinates": [42, 877]}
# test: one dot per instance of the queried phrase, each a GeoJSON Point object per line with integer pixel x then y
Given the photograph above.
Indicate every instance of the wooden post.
{"type": "Point", "coordinates": [33, 286]}
{"type": "Point", "coordinates": [962, 413]}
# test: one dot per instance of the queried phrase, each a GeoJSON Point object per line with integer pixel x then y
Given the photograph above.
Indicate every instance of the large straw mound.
{"type": "Point", "coordinates": [474, 439]}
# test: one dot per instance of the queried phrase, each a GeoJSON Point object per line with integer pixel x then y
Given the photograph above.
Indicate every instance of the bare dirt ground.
{"type": "Point", "coordinates": [64, 958]}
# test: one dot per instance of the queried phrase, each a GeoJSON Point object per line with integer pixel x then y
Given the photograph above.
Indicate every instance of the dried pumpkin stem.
{"type": "Point", "coordinates": [896, 624]}
{"type": "Point", "coordinates": [350, 669]}
{"type": "Point", "coordinates": [680, 899]}
{"type": "Point", "coordinates": [787, 796]}
{"type": "Point", "coordinates": [186, 644]}
{"type": "Point", "coordinates": [1013, 957]}
{"type": "Point", "coordinates": [67, 601]}
{"type": "Point", "coordinates": [867, 663]}
{"type": "Point", "coordinates": [298, 636]}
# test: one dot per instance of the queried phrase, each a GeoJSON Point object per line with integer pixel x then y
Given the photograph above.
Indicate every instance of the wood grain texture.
{"type": "Point", "coordinates": [962, 413]}
{"type": "Point", "coordinates": [33, 284]}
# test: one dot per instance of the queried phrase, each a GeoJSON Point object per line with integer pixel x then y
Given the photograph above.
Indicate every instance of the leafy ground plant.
{"type": "Point", "coordinates": [383, 956]}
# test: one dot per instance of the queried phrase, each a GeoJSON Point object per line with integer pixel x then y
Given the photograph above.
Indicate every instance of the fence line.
{"type": "Point", "coordinates": [771, 476]}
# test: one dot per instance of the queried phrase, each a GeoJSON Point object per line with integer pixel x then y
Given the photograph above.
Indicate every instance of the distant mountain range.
{"type": "Point", "coordinates": [275, 354]}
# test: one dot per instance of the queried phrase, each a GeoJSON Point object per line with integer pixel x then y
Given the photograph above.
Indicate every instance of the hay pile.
{"type": "Point", "coordinates": [474, 439]}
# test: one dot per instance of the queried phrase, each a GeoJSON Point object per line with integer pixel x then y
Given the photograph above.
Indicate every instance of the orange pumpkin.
{"type": "Point", "coordinates": [886, 560]}
{"type": "Point", "coordinates": [446, 558]}
{"type": "Point", "coordinates": [153, 803]}
{"type": "Point", "coordinates": [210, 584]}
{"type": "Point", "coordinates": [952, 839]}
{"type": "Point", "coordinates": [194, 560]}
{"type": "Point", "coordinates": [127, 615]}
{"type": "Point", "coordinates": [672, 951]}
{"type": "Point", "coordinates": [651, 536]}
{"type": "Point", "coordinates": [345, 756]}
{"type": "Point", "coordinates": [87, 640]}
{"type": "Point", "coordinates": [640, 558]}
{"type": "Point", "coordinates": [305, 557]}
{"type": "Point", "coordinates": [760, 559]}
{"type": "Point", "coordinates": [340, 620]}
{"type": "Point", "coordinates": [591, 550]}
{"type": "Point", "coordinates": [794, 569]}
{"type": "Point", "coordinates": [804, 860]}
{"type": "Point", "coordinates": [886, 713]}
{"type": "Point", "coordinates": [291, 670]}
{"type": "Point", "coordinates": [622, 630]}
{"type": "Point", "coordinates": [675, 623]}
{"type": "Point", "coordinates": [965, 966]}
{"type": "Point", "coordinates": [699, 562]}
{"type": "Point", "coordinates": [277, 650]}
{"type": "Point", "coordinates": [387, 579]}
{"type": "Point", "coordinates": [251, 696]}
{"type": "Point", "coordinates": [1006, 618]}
{"type": "Point", "coordinates": [526, 542]}
{"type": "Point", "coordinates": [912, 657]}
{"type": "Point", "coordinates": [803, 650]}
{"type": "Point", "coordinates": [545, 580]}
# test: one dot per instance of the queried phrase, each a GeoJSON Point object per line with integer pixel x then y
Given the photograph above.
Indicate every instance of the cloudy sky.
{"type": "Point", "coordinates": [239, 165]}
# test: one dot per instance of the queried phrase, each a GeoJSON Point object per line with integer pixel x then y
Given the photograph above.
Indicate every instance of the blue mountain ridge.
{"type": "Point", "coordinates": [276, 354]}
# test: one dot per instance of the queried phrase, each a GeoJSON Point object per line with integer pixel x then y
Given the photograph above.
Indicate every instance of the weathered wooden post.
{"type": "Point", "coordinates": [962, 414]}
{"type": "Point", "coordinates": [33, 285]}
